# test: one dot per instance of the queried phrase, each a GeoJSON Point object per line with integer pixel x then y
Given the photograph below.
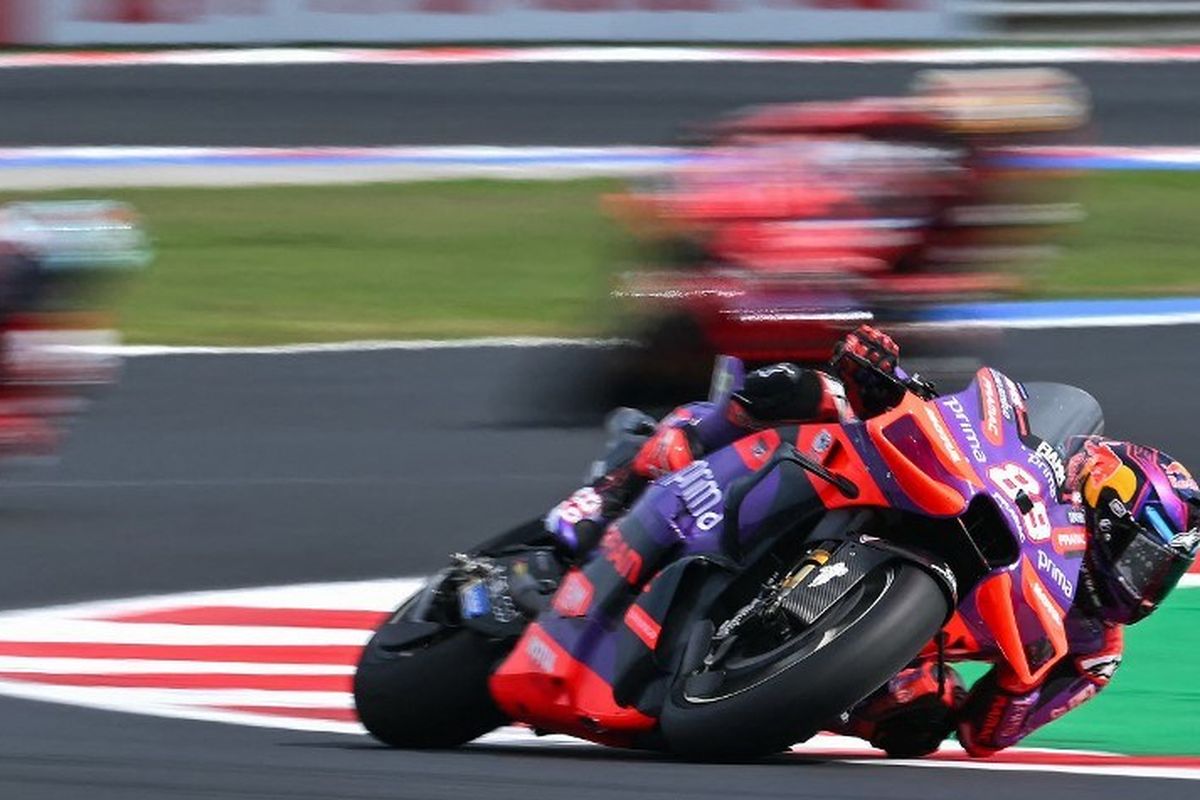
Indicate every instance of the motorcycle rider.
{"type": "Point", "coordinates": [1141, 509]}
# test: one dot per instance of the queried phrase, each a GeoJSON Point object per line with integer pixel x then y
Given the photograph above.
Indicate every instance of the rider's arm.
{"type": "Point", "coordinates": [780, 394]}
{"type": "Point", "coordinates": [998, 713]}
{"type": "Point", "coordinates": [774, 395]}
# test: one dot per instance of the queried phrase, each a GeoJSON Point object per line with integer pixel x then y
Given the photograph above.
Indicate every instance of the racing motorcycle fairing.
{"type": "Point", "coordinates": [953, 472]}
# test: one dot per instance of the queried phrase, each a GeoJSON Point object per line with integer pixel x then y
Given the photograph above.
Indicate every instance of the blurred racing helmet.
{"type": "Point", "coordinates": [1143, 511]}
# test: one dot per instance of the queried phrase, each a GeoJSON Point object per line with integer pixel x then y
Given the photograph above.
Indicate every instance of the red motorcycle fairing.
{"type": "Point", "coordinates": [542, 684]}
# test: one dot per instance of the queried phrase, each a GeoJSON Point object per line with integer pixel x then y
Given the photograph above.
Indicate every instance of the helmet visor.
{"type": "Point", "coordinates": [1150, 568]}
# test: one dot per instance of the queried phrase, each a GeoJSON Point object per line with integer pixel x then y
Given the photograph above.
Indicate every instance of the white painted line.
{"type": "Point", "coordinates": [1120, 770]}
{"type": "Point", "coordinates": [439, 56]}
{"type": "Point", "coordinates": [358, 346]}
{"type": "Point", "coordinates": [383, 345]}
{"type": "Point", "coordinates": [1050, 323]}
{"type": "Point", "coordinates": [110, 700]}
{"type": "Point", "coordinates": [74, 630]}
{"type": "Point", "coordinates": [40, 168]}
{"type": "Point", "coordinates": [821, 744]}
{"type": "Point", "coordinates": [372, 595]}
{"type": "Point", "coordinates": [135, 699]}
{"type": "Point", "coordinates": [465, 154]}
{"type": "Point", "coordinates": [135, 666]}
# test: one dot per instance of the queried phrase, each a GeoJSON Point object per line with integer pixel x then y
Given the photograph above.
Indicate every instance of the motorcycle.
{"type": "Point", "coordinates": [60, 263]}
{"type": "Point", "coordinates": [745, 602]}
{"type": "Point", "coordinates": [789, 224]}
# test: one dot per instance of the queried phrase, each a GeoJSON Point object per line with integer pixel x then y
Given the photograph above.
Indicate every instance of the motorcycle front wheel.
{"type": "Point", "coordinates": [768, 692]}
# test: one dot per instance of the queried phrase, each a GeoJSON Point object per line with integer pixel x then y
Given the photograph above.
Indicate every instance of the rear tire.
{"type": "Point", "coordinates": [794, 696]}
{"type": "Point", "coordinates": [429, 695]}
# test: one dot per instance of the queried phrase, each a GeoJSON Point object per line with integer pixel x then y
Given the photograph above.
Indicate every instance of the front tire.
{"type": "Point", "coordinates": [431, 694]}
{"type": "Point", "coordinates": [755, 704]}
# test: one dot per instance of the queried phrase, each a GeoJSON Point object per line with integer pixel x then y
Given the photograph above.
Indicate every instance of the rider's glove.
{"type": "Point", "coordinates": [863, 360]}
{"type": "Point", "coordinates": [872, 345]}
{"type": "Point", "coordinates": [667, 451]}
{"type": "Point", "coordinates": [577, 522]}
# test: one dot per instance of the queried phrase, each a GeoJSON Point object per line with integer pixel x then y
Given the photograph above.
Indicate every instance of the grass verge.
{"type": "Point", "coordinates": [465, 258]}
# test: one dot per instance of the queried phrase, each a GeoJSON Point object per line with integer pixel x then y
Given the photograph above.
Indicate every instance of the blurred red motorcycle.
{"type": "Point", "coordinates": [58, 262]}
{"type": "Point", "coordinates": [792, 224]}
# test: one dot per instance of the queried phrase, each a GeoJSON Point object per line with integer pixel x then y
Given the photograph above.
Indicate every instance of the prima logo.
{"type": "Point", "coordinates": [966, 427]}
{"type": "Point", "coordinates": [1046, 564]}
{"type": "Point", "coordinates": [700, 493]}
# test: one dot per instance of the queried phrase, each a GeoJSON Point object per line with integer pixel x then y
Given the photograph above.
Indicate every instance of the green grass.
{"type": "Point", "coordinates": [447, 259]}
{"type": "Point", "coordinates": [266, 265]}
{"type": "Point", "coordinates": [1141, 237]}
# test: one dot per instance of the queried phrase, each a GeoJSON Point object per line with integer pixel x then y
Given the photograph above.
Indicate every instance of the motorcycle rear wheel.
{"type": "Point", "coordinates": [756, 703]}
{"type": "Point", "coordinates": [433, 694]}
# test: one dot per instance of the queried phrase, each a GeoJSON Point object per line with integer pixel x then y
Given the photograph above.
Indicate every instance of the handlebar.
{"type": "Point", "coordinates": [898, 380]}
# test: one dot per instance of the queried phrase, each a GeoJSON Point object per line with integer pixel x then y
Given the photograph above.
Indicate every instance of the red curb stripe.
{"type": "Point", "coordinates": [175, 680]}
{"type": "Point", "coordinates": [267, 654]}
{"type": "Point", "coordinates": [268, 617]}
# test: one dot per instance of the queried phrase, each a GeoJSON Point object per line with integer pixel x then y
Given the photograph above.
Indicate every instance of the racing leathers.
{"type": "Point", "coordinates": [919, 707]}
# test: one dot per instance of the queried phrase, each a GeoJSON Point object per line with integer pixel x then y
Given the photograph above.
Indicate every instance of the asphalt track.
{"type": "Point", "coordinates": [220, 471]}
{"type": "Point", "coordinates": [509, 104]}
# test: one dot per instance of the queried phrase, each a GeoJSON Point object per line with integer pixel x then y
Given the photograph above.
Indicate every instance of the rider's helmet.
{"type": "Point", "coordinates": [1143, 513]}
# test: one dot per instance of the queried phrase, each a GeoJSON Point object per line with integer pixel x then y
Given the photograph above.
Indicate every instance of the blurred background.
{"type": "Point", "coordinates": [377, 267]}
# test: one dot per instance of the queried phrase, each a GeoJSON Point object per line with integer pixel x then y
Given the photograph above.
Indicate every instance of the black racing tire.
{"type": "Point", "coordinates": [433, 694]}
{"type": "Point", "coordinates": [795, 696]}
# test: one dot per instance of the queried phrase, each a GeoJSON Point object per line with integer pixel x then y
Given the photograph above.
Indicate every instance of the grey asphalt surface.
{"type": "Point", "coordinates": [206, 472]}
{"type": "Point", "coordinates": [553, 104]}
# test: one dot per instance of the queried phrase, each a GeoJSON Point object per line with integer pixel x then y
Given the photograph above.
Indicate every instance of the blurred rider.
{"type": "Point", "coordinates": [1141, 508]}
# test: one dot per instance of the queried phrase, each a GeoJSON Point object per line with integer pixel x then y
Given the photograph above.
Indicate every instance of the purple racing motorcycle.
{"type": "Point", "coordinates": [746, 601]}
